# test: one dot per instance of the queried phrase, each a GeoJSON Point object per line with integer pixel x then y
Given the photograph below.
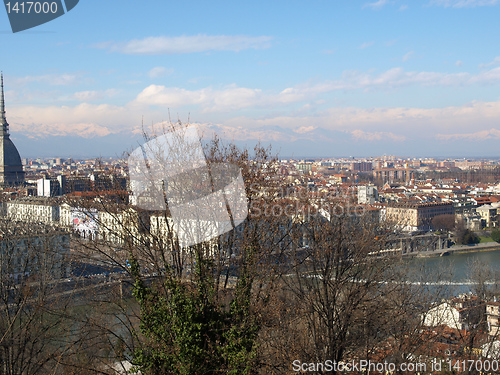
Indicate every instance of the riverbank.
{"type": "Point", "coordinates": [457, 249]}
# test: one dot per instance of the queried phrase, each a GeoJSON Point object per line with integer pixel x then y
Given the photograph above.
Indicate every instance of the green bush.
{"type": "Point", "coordinates": [471, 239]}
{"type": "Point", "coordinates": [495, 235]}
{"type": "Point", "coordinates": [466, 237]}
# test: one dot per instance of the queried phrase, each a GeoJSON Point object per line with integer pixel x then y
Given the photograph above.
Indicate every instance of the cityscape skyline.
{"type": "Point", "coordinates": [368, 233]}
{"type": "Point", "coordinates": [363, 78]}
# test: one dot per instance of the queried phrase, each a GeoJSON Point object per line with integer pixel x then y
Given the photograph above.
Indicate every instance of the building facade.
{"type": "Point", "coordinates": [367, 194]}
{"type": "Point", "coordinates": [417, 216]}
{"type": "Point", "coordinates": [50, 187]}
{"type": "Point", "coordinates": [488, 215]}
{"type": "Point", "coordinates": [361, 167]}
{"type": "Point", "coordinates": [463, 312]}
{"type": "Point", "coordinates": [32, 209]}
{"type": "Point", "coordinates": [493, 318]}
{"type": "Point", "coordinates": [392, 175]}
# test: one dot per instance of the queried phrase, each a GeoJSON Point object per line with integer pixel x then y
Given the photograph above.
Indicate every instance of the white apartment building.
{"type": "Point", "coordinates": [488, 214]}
{"type": "Point", "coordinates": [462, 312]}
{"type": "Point", "coordinates": [367, 194]}
{"type": "Point", "coordinates": [32, 209]}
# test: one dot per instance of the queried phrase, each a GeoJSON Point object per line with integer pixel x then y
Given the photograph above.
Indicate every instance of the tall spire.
{"type": "Point", "coordinates": [2, 103]}
{"type": "Point", "coordinates": [3, 121]}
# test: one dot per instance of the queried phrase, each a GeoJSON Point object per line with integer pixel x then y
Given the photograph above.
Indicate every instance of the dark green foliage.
{"type": "Point", "coordinates": [495, 235]}
{"type": "Point", "coordinates": [467, 237]}
{"type": "Point", "coordinates": [187, 330]}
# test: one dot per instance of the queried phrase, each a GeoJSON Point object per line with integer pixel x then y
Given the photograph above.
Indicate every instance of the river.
{"type": "Point", "coordinates": [459, 271]}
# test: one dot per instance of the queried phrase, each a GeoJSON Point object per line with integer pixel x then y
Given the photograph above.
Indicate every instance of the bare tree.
{"type": "Point", "coordinates": [200, 304]}
{"type": "Point", "coordinates": [338, 280]}
{"type": "Point", "coordinates": [303, 276]}
{"type": "Point", "coordinates": [34, 329]}
{"type": "Point", "coordinates": [444, 222]}
{"type": "Point", "coordinates": [347, 295]}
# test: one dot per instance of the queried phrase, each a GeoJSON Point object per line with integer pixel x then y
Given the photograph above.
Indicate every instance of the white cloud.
{"type": "Point", "coordinates": [366, 45]}
{"type": "Point", "coordinates": [392, 78]}
{"type": "Point", "coordinates": [62, 79]}
{"type": "Point", "coordinates": [233, 97]}
{"type": "Point", "coordinates": [496, 61]}
{"type": "Point", "coordinates": [395, 124]}
{"type": "Point", "coordinates": [360, 135]}
{"type": "Point", "coordinates": [84, 130]}
{"type": "Point", "coordinates": [241, 133]}
{"type": "Point", "coordinates": [85, 96]}
{"type": "Point", "coordinates": [85, 120]}
{"type": "Point", "coordinates": [488, 76]}
{"type": "Point", "coordinates": [211, 100]}
{"type": "Point", "coordinates": [482, 135]}
{"type": "Point", "coordinates": [328, 51]}
{"type": "Point", "coordinates": [464, 3]}
{"type": "Point", "coordinates": [163, 45]}
{"type": "Point", "coordinates": [159, 71]}
{"type": "Point", "coordinates": [304, 129]}
{"type": "Point", "coordinates": [398, 77]}
{"type": "Point", "coordinates": [365, 124]}
{"type": "Point", "coordinates": [376, 5]}
{"type": "Point", "coordinates": [419, 122]}
{"type": "Point", "coordinates": [172, 96]}
{"type": "Point", "coordinates": [459, 63]}
{"type": "Point", "coordinates": [407, 56]}
{"type": "Point", "coordinates": [475, 121]}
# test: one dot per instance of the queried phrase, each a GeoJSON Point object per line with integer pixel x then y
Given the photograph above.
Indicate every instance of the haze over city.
{"type": "Point", "coordinates": [361, 78]}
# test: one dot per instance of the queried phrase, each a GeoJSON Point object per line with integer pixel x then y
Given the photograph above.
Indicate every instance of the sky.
{"type": "Point", "coordinates": [315, 78]}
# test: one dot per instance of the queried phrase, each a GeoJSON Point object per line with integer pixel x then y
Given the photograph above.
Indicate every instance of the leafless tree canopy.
{"type": "Point", "coordinates": [303, 277]}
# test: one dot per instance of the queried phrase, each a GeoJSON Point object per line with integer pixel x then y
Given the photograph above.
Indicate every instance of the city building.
{"type": "Point", "coordinates": [463, 312]}
{"type": "Point", "coordinates": [32, 209]}
{"type": "Point", "coordinates": [488, 215]}
{"type": "Point", "coordinates": [469, 164]}
{"type": "Point", "coordinates": [367, 194]}
{"type": "Point", "coordinates": [163, 227]}
{"type": "Point", "coordinates": [417, 216]}
{"type": "Point", "coordinates": [50, 187]}
{"type": "Point", "coordinates": [305, 167]}
{"type": "Point", "coordinates": [471, 220]}
{"type": "Point", "coordinates": [361, 167]}
{"type": "Point", "coordinates": [493, 318]}
{"type": "Point", "coordinates": [392, 175]}
{"type": "Point", "coordinates": [117, 225]}
{"type": "Point", "coordinates": [11, 167]}
{"type": "Point", "coordinates": [81, 221]}
{"type": "Point", "coordinates": [340, 178]}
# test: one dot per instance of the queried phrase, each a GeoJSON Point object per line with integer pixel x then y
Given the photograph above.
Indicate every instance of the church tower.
{"type": "Point", "coordinates": [11, 168]}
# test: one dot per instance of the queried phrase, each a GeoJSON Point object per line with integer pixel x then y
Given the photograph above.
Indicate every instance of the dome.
{"type": "Point", "coordinates": [9, 155]}
{"type": "Point", "coordinates": [11, 167]}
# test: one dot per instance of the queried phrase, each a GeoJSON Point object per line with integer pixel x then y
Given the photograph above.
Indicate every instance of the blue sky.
{"type": "Point", "coordinates": [314, 78]}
